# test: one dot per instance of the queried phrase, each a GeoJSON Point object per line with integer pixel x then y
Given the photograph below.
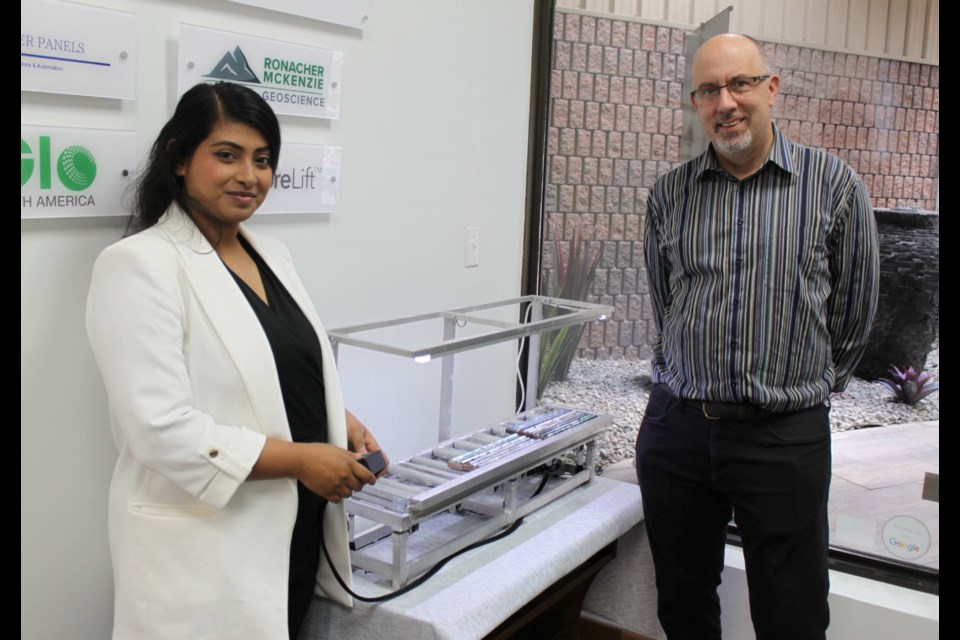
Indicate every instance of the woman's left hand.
{"type": "Point", "coordinates": [360, 440]}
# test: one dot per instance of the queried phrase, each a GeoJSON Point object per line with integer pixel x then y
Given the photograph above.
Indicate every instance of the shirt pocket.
{"type": "Point", "coordinates": [795, 257]}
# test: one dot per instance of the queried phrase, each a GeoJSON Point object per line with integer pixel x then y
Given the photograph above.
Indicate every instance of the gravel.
{"type": "Point", "coordinates": [618, 388]}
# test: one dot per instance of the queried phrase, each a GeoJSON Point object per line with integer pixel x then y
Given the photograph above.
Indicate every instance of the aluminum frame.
{"type": "Point", "coordinates": [461, 497]}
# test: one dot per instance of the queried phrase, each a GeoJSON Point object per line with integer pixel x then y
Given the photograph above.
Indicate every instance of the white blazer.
{"type": "Point", "coordinates": [193, 390]}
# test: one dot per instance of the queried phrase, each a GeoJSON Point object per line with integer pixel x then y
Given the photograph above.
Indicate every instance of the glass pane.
{"type": "Point", "coordinates": [620, 118]}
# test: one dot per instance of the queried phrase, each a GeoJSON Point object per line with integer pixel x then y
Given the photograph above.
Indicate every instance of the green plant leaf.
{"type": "Point", "coordinates": [576, 268]}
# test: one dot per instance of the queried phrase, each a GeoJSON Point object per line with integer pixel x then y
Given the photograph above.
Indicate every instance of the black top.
{"type": "Point", "coordinates": [299, 361]}
{"type": "Point", "coordinates": [296, 353]}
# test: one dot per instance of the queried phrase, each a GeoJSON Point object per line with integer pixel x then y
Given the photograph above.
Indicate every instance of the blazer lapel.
{"type": "Point", "coordinates": [230, 316]}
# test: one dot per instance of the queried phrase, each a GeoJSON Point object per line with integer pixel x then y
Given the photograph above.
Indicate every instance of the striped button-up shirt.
{"type": "Point", "coordinates": [763, 289]}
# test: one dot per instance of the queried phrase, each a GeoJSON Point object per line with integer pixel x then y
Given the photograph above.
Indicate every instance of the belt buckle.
{"type": "Point", "coordinates": [703, 408]}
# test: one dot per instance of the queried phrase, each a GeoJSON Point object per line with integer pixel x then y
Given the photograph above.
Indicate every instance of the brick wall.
{"type": "Point", "coordinates": [615, 125]}
{"type": "Point", "coordinates": [880, 116]}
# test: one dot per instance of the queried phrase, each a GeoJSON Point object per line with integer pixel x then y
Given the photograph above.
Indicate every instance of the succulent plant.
{"type": "Point", "coordinates": [572, 278]}
{"type": "Point", "coordinates": [908, 386]}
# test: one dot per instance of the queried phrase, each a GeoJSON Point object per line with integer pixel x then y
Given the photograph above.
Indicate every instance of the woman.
{"type": "Point", "coordinates": [224, 399]}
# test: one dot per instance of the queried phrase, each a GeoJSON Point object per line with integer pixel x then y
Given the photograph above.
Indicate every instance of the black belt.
{"type": "Point", "coordinates": [738, 411]}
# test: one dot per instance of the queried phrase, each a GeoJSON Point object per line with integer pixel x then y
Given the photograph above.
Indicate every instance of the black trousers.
{"type": "Point", "coordinates": [773, 477]}
{"type": "Point", "coordinates": [304, 557]}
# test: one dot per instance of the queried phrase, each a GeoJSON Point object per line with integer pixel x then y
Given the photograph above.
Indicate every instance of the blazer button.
{"type": "Point", "coordinates": [213, 453]}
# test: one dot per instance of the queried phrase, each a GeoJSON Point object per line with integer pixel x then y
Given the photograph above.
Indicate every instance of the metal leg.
{"type": "Point", "coordinates": [446, 383]}
{"type": "Point", "coordinates": [510, 495]}
{"type": "Point", "coordinates": [591, 457]}
{"type": "Point", "coordinates": [400, 567]}
{"type": "Point", "coordinates": [533, 359]}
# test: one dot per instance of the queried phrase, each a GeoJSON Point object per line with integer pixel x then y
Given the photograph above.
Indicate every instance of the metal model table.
{"type": "Point", "coordinates": [464, 490]}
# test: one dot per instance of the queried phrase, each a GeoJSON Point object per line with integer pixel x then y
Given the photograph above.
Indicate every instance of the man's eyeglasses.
{"type": "Point", "coordinates": [710, 93]}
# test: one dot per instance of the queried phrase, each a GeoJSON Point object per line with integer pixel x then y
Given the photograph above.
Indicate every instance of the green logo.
{"type": "Point", "coordinates": [76, 166]}
{"type": "Point", "coordinates": [26, 163]}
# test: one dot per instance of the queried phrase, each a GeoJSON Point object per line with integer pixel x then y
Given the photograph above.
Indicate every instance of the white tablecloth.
{"type": "Point", "coordinates": [476, 592]}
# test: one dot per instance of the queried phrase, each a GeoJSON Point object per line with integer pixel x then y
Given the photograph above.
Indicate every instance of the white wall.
{"type": "Point", "coordinates": [434, 133]}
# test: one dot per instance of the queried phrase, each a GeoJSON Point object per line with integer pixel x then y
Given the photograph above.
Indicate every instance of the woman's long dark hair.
{"type": "Point", "coordinates": [199, 111]}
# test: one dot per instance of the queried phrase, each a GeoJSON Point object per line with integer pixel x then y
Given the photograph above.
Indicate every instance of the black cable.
{"type": "Point", "coordinates": [416, 583]}
{"type": "Point", "coordinates": [435, 568]}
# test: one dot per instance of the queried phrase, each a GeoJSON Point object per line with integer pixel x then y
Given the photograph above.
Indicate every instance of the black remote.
{"type": "Point", "coordinates": [374, 461]}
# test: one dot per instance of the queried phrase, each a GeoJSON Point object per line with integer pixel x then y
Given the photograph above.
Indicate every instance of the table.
{"type": "Point", "coordinates": [476, 592]}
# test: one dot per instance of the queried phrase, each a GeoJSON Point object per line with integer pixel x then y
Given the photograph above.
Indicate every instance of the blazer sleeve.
{"type": "Point", "coordinates": [136, 326]}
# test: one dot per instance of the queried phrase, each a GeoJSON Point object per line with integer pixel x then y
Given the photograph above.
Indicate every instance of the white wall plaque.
{"type": "Point", "coordinates": [295, 80]}
{"type": "Point", "coordinates": [79, 50]}
{"type": "Point", "coordinates": [353, 13]}
{"type": "Point", "coordinates": [306, 181]}
{"type": "Point", "coordinates": [66, 172]}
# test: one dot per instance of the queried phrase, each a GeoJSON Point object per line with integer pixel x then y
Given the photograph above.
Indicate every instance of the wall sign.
{"type": "Point", "coordinates": [75, 49]}
{"type": "Point", "coordinates": [355, 13]}
{"type": "Point", "coordinates": [66, 172]}
{"type": "Point", "coordinates": [295, 80]}
{"type": "Point", "coordinates": [306, 181]}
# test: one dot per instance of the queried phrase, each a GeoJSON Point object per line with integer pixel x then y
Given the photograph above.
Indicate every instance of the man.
{"type": "Point", "coordinates": [762, 260]}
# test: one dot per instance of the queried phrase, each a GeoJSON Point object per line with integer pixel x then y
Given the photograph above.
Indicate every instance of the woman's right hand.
{"type": "Point", "coordinates": [327, 470]}
{"type": "Point", "coordinates": [331, 472]}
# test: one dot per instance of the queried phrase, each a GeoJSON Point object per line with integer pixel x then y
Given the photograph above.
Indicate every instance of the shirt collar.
{"type": "Point", "coordinates": [780, 155]}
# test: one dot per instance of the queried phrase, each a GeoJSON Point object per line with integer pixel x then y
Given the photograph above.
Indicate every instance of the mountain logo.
{"type": "Point", "coordinates": [233, 66]}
